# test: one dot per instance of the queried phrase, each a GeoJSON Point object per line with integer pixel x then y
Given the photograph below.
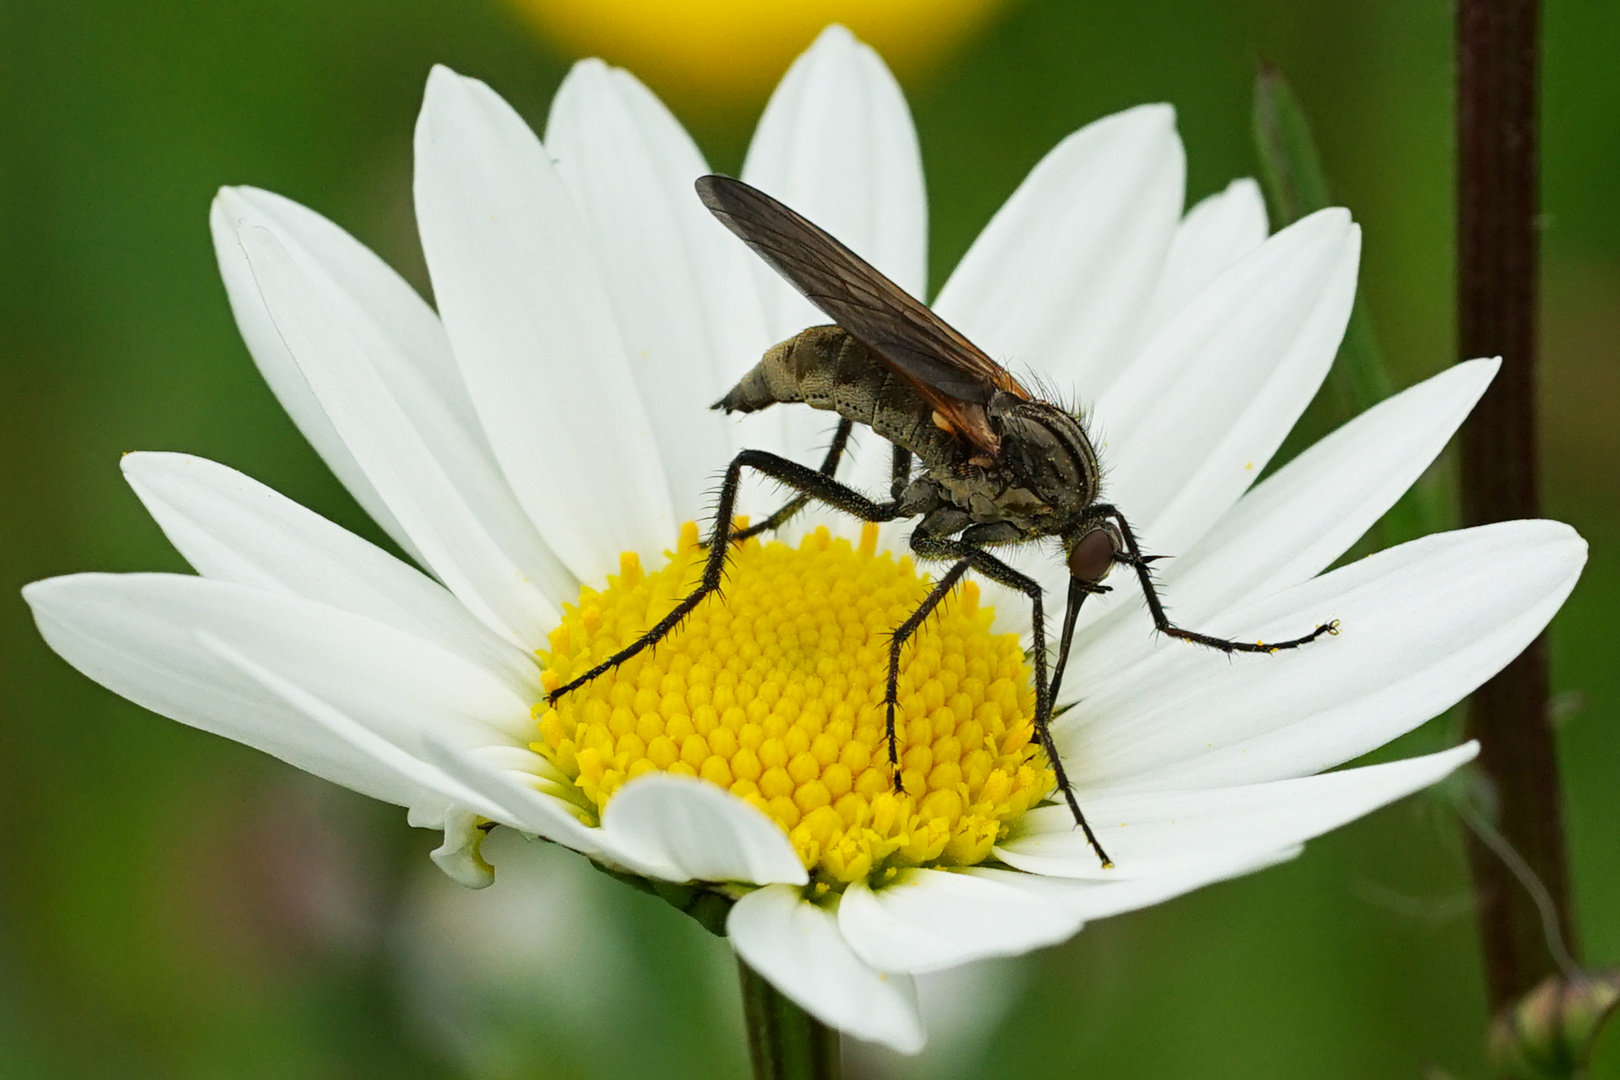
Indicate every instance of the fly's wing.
{"type": "Point", "coordinates": [947, 369]}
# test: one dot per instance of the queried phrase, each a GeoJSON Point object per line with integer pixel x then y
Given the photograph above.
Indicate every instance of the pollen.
{"type": "Point", "coordinates": [774, 690]}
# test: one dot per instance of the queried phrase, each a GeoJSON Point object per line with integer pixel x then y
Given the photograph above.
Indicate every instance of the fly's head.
{"type": "Point", "coordinates": [1047, 451]}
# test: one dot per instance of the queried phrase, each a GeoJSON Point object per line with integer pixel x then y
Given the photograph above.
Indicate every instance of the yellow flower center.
{"type": "Point", "coordinates": [775, 690]}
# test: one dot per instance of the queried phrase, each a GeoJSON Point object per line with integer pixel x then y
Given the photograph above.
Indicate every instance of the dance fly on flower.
{"type": "Point", "coordinates": [999, 465]}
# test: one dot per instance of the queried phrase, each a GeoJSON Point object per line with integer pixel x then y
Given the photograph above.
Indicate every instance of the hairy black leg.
{"type": "Point", "coordinates": [805, 481]}
{"type": "Point", "coordinates": [899, 473]}
{"type": "Point", "coordinates": [829, 467]}
{"type": "Point", "coordinates": [938, 547]}
{"type": "Point", "coordinates": [1133, 557]}
{"type": "Point", "coordinates": [897, 641]}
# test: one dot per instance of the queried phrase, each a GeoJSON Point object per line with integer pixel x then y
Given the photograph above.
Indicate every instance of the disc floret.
{"type": "Point", "coordinates": [775, 691]}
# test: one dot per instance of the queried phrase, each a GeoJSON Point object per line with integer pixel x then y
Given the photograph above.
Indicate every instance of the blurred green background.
{"type": "Point", "coordinates": [173, 905]}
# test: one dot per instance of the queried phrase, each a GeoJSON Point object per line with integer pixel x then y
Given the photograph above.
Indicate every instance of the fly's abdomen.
{"type": "Point", "coordinates": [825, 368]}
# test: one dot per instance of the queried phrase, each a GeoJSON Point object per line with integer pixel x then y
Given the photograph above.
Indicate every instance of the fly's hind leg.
{"type": "Point", "coordinates": [900, 477]}
{"type": "Point", "coordinates": [970, 556]}
{"type": "Point", "coordinates": [809, 484]}
{"type": "Point", "coordinates": [829, 468]}
{"type": "Point", "coordinates": [1132, 556]}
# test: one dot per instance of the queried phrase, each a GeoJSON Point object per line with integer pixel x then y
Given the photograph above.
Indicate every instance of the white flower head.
{"type": "Point", "coordinates": [536, 444]}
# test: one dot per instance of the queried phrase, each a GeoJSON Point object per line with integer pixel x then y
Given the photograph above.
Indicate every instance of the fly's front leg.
{"type": "Point", "coordinates": [809, 483]}
{"type": "Point", "coordinates": [1132, 556]}
{"type": "Point", "coordinates": [968, 555]}
{"type": "Point", "coordinates": [829, 467]}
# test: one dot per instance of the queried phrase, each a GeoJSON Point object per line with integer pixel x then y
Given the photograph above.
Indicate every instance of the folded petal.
{"type": "Point", "coordinates": [1297, 522]}
{"type": "Point", "coordinates": [1152, 833]}
{"type": "Point", "coordinates": [533, 331]}
{"type": "Point", "coordinates": [836, 143]}
{"type": "Point", "coordinates": [460, 856]}
{"type": "Point", "coordinates": [1195, 418]}
{"type": "Point", "coordinates": [1058, 280]}
{"type": "Point", "coordinates": [1212, 236]}
{"type": "Point", "coordinates": [524, 807]}
{"type": "Point", "coordinates": [232, 528]}
{"type": "Point", "coordinates": [797, 946]}
{"type": "Point", "coordinates": [927, 920]}
{"type": "Point", "coordinates": [703, 831]}
{"type": "Point", "coordinates": [683, 290]}
{"type": "Point", "coordinates": [507, 577]}
{"type": "Point", "coordinates": [1420, 626]}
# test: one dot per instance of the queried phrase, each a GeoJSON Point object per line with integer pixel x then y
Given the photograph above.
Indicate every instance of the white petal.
{"type": "Point", "coordinates": [232, 528]}
{"type": "Point", "coordinates": [498, 577]}
{"type": "Point", "coordinates": [1293, 526]}
{"type": "Point", "coordinates": [1296, 523]}
{"type": "Point", "coordinates": [1058, 279]}
{"type": "Point", "coordinates": [413, 372]}
{"type": "Point", "coordinates": [1098, 899]}
{"type": "Point", "coordinates": [836, 143]}
{"type": "Point", "coordinates": [1214, 234]}
{"type": "Point", "coordinates": [141, 631]}
{"type": "Point", "coordinates": [357, 735]}
{"type": "Point", "coordinates": [533, 330]}
{"type": "Point", "coordinates": [459, 854]}
{"type": "Point", "coordinates": [703, 831]}
{"type": "Point", "coordinates": [927, 920]}
{"type": "Point", "coordinates": [122, 632]}
{"type": "Point", "coordinates": [1151, 833]}
{"type": "Point", "coordinates": [797, 946]}
{"type": "Point", "coordinates": [1191, 423]}
{"type": "Point", "coordinates": [409, 356]}
{"type": "Point", "coordinates": [1421, 625]}
{"type": "Point", "coordinates": [682, 288]}
{"type": "Point", "coordinates": [276, 364]}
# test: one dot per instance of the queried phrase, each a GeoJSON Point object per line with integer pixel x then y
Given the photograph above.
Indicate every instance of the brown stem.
{"type": "Point", "coordinates": [1497, 54]}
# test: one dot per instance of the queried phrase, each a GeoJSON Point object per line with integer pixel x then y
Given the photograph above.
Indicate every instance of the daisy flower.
{"type": "Point", "coordinates": [541, 444]}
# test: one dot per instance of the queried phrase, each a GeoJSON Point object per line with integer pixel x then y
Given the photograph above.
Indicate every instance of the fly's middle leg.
{"type": "Point", "coordinates": [968, 556]}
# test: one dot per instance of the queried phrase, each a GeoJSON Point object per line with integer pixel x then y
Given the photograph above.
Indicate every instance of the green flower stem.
{"type": "Point", "coordinates": [784, 1041]}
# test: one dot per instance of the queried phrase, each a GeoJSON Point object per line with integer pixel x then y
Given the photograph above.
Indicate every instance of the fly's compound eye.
{"type": "Point", "coordinates": [1093, 554]}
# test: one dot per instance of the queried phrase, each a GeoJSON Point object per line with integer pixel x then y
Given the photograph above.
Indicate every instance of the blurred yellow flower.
{"type": "Point", "coordinates": [723, 53]}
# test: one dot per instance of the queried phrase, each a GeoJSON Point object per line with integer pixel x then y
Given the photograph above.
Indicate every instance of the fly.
{"type": "Point", "coordinates": [999, 466]}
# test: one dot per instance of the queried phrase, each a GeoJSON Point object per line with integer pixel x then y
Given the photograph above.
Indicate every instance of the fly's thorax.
{"type": "Point", "coordinates": [968, 494]}
{"type": "Point", "coordinates": [1047, 451]}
